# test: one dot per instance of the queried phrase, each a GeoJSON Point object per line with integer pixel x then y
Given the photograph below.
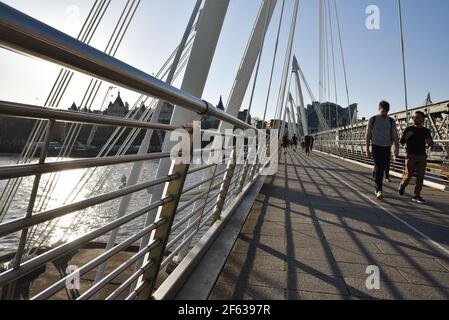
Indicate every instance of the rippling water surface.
{"type": "Point", "coordinates": [64, 191]}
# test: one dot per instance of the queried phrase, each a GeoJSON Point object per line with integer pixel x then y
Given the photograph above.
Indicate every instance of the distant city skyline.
{"type": "Point", "coordinates": [372, 56]}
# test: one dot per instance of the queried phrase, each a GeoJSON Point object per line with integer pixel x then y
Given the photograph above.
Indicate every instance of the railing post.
{"type": "Point", "coordinates": [167, 212]}
{"type": "Point", "coordinates": [224, 191]}
{"type": "Point", "coordinates": [241, 184]}
{"type": "Point", "coordinates": [246, 170]}
{"type": "Point", "coordinates": [255, 167]}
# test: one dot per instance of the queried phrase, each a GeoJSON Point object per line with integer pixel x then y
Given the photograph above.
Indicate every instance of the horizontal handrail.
{"type": "Point", "coordinates": [20, 224]}
{"type": "Point", "coordinates": [125, 285]}
{"type": "Point", "coordinates": [25, 170]}
{"type": "Point", "coordinates": [52, 290]}
{"type": "Point", "coordinates": [198, 197]}
{"type": "Point", "coordinates": [117, 272]}
{"type": "Point", "coordinates": [20, 110]}
{"type": "Point", "coordinates": [62, 250]}
{"type": "Point", "coordinates": [25, 34]}
{"type": "Point", "coordinates": [199, 184]}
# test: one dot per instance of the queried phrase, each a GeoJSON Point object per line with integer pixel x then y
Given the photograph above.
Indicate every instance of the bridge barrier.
{"type": "Point", "coordinates": [24, 34]}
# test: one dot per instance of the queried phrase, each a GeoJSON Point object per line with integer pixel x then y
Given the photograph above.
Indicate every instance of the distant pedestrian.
{"type": "Point", "coordinates": [285, 143]}
{"type": "Point", "coordinates": [295, 141]}
{"type": "Point", "coordinates": [416, 137]}
{"type": "Point", "coordinates": [312, 142]}
{"type": "Point", "coordinates": [308, 144]}
{"type": "Point", "coordinates": [381, 134]}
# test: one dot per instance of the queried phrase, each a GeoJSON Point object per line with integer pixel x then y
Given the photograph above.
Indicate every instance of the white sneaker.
{"type": "Point", "coordinates": [380, 195]}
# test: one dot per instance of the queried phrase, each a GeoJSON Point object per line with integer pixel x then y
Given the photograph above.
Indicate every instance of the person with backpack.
{"type": "Point", "coordinates": [381, 134]}
{"type": "Point", "coordinates": [416, 137]}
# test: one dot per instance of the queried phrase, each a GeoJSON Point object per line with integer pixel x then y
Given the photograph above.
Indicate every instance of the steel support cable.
{"type": "Point", "coordinates": [26, 157]}
{"type": "Point", "coordinates": [288, 55]}
{"type": "Point", "coordinates": [54, 102]}
{"type": "Point", "coordinates": [135, 132]}
{"type": "Point", "coordinates": [283, 109]}
{"type": "Point", "coordinates": [144, 119]}
{"type": "Point", "coordinates": [87, 37]}
{"type": "Point", "coordinates": [321, 52]}
{"type": "Point", "coordinates": [72, 136]}
{"type": "Point", "coordinates": [333, 60]}
{"type": "Point", "coordinates": [322, 120]}
{"type": "Point", "coordinates": [311, 95]}
{"type": "Point", "coordinates": [31, 144]}
{"type": "Point", "coordinates": [103, 179]}
{"type": "Point", "coordinates": [86, 22]}
{"type": "Point", "coordinates": [70, 140]}
{"type": "Point", "coordinates": [57, 85]}
{"type": "Point", "coordinates": [326, 24]}
{"type": "Point", "coordinates": [137, 168]}
{"type": "Point", "coordinates": [94, 85]}
{"type": "Point", "coordinates": [259, 60]}
{"type": "Point", "coordinates": [273, 66]}
{"type": "Point", "coordinates": [120, 131]}
{"type": "Point", "coordinates": [404, 74]}
{"type": "Point", "coordinates": [326, 65]}
{"type": "Point", "coordinates": [122, 32]}
{"type": "Point", "coordinates": [343, 61]}
{"type": "Point", "coordinates": [113, 40]}
{"type": "Point", "coordinates": [105, 152]}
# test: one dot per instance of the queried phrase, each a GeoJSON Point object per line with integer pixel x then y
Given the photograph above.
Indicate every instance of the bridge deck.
{"type": "Point", "coordinates": [315, 229]}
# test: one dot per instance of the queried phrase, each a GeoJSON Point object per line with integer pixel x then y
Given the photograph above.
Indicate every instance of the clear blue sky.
{"type": "Point", "coordinates": [373, 57]}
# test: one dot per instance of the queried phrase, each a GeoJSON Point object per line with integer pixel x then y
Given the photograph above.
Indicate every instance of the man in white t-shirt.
{"type": "Point", "coordinates": [381, 134]}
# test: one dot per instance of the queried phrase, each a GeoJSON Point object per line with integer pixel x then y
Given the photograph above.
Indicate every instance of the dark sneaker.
{"type": "Point", "coordinates": [401, 190]}
{"type": "Point", "coordinates": [419, 200]}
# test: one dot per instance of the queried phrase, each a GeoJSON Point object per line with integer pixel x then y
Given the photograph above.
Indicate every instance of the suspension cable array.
{"type": "Point", "coordinates": [57, 92]}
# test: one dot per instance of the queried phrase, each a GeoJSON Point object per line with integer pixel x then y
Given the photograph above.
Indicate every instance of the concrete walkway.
{"type": "Point", "coordinates": [315, 228]}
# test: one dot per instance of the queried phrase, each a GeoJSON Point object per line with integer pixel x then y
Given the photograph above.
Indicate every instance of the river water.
{"type": "Point", "coordinates": [75, 225]}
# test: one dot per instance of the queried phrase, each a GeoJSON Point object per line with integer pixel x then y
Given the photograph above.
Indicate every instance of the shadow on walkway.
{"type": "Point", "coordinates": [309, 236]}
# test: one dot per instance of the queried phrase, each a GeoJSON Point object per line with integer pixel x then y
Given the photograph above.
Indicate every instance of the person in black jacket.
{"type": "Point", "coordinates": [285, 143]}
{"type": "Point", "coordinates": [295, 141]}
{"type": "Point", "coordinates": [308, 142]}
{"type": "Point", "coordinates": [416, 138]}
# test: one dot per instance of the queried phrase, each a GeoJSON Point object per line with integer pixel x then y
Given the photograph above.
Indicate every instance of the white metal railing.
{"type": "Point", "coordinates": [436, 172]}
{"type": "Point", "coordinates": [27, 35]}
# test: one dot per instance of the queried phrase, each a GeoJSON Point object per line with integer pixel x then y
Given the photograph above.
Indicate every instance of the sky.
{"type": "Point", "coordinates": [373, 57]}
